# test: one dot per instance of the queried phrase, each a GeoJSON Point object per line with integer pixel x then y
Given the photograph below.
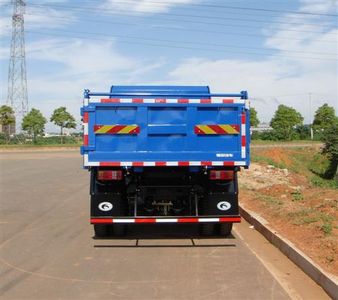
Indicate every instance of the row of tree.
{"type": "Point", "coordinates": [34, 122]}
{"type": "Point", "coordinates": [287, 123]}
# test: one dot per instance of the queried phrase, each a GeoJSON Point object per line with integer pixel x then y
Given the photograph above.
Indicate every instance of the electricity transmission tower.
{"type": "Point", "coordinates": [17, 81]}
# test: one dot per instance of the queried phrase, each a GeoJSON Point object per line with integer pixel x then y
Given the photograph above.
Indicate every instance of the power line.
{"type": "Point", "coordinates": [184, 21]}
{"type": "Point", "coordinates": [206, 31]}
{"type": "Point", "coordinates": [163, 45]}
{"type": "Point", "coordinates": [114, 11]}
{"type": "Point", "coordinates": [239, 8]}
{"type": "Point", "coordinates": [183, 15]}
{"type": "Point", "coordinates": [261, 35]}
{"type": "Point", "coordinates": [256, 35]}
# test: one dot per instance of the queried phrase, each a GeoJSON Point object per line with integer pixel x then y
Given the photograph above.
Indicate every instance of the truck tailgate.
{"type": "Point", "coordinates": [165, 132]}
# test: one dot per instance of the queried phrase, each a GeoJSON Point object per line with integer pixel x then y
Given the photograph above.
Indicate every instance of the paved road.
{"type": "Point", "coordinates": [47, 249]}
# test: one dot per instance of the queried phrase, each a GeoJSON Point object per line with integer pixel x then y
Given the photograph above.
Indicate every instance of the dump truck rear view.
{"type": "Point", "coordinates": [164, 154]}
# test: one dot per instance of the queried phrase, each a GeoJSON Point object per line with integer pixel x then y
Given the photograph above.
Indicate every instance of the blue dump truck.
{"type": "Point", "coordinates": [164, 154]}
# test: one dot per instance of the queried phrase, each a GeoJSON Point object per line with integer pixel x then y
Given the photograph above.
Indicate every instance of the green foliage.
{"type": "Point", "coordinates": [306, 216]}
{"type": "Point", "coordinates": [34, 123]}
{"type": "Point", "coordinates": [7, 119]}
{"type": "Point", "coordinates": [327, 228]}
{"type": "Point", "coordinates": [268, 135]}
{"type": "Point", "coordinates": [52, 140]}
{"type": "Point", "coordinates": [318, 164]}
{"type": "Point", "coordinates": [331, 150]}
{"type": "Point", "coordinates": [254, 121]}
{"type": "Point", "coordinates": [6, 115]}
{"type": "Point", "coordinates": [303, 132]}
{"type": "Point", "coordinates": [62, 118]}
{"type": "Point", "coordinates": [297, 195]}
{"type": "Point", "coordinates": [318, 181]}
{"type": "Point", "coordinates": [305, 161]}
{"type": "Point", "coordinates": [3, 139]}
{"type": "Point", "coordinates": [272, 201]}
{"type": "Point", "coordinates": [323, 120]}
{"type": "Point", "coordinates": [284, 122]}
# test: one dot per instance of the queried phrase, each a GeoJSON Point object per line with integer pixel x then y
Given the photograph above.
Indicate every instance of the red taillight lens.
{"type": "Point", "coordinates": [109, 175]}
{"type": "Point", "coordinates": [221, 175]}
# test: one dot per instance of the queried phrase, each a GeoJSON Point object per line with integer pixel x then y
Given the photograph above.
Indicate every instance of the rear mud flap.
{"type": "Point", "coordinates": [110, 204]}
{"type": "Point", "coordinates": [219, 204]}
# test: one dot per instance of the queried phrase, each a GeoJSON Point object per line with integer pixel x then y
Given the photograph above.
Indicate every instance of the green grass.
{"type": "Point", "coordinates": [306, 216]}
{"type": "Point", "coordinates": [271, 200]}
{"type": "Point", "coordinates": [305, 161]}
{"type": "Point", "coordinates": [323, 183]}
{"type": "Point", "coordinates": [267, 160]}
{"type": "Point", "coordinates": [297, 196]}
{"type": "Point", "coordinates": [327, 228]}
{"type": "Point", "coordinates": [307, 220]}
{"type": "Point", "coordinates": [267, 142]}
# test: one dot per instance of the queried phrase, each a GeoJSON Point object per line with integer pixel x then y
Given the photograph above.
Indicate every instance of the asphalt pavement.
{"type": "Point", "coordinates": [48, 251]}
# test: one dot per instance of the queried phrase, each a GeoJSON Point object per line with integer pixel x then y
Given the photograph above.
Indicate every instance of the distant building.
{"type": "Point", "coordinates": [261, 127]}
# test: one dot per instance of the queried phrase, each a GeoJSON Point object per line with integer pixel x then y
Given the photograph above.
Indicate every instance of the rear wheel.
{"type": "Point", "coordinates": [101, 230]}
{"type": "Point", "coordinates": [207, 229]}
{"type": "Point", "coordinates": [118, 229]}
{"type": "Point", "coordinates": [225, 229]}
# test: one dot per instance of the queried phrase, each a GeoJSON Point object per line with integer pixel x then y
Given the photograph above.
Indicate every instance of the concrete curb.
{"type": "Point", "coordinates": [327, 281]}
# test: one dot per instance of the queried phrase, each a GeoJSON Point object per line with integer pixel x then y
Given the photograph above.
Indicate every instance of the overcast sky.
{"type": "Point", "coordinates": [280, 51]}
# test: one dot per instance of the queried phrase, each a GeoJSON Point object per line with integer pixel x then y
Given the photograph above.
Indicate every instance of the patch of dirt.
{"type": "Point", "coordinates": [306, 215]}
{"type": "Point", "coordinates": [279, 156]}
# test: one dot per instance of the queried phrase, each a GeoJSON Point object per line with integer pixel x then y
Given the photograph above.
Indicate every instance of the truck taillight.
{"type": "Point", "coordinates": [221, 175]}
{"type": "Point", "coordinates": [109, 175]}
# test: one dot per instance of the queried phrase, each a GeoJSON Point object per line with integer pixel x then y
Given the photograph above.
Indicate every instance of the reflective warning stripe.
{"type": "Point", "coordinates": [116, 129]}
{"type": "Point", "coordinates": [170, 101]}
{"type": "Point", "coordinates": [88, 163]}
{"type": "Point", "coordinates": [217, 129]}
{"type": "Point", "coordinates": [230, 219]}
{"type": "Point", "coordinates": [243, 135]}
{"type": "Point", "coordinates": [85, 128]}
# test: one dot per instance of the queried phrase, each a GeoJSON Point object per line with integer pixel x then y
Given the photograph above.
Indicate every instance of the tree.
{"type": "Point", "coordinates": [284, 121]}
{"type": "Point", "coordinates": [303, 132]}
{"type": "Point", "coordinates": [64, 119]}
{"type": "Point", "coordinates": [254, 121]}
{"type": "Point", "coordinates": [331, 149]}
{"type": "Point", "coordinates": [34, 123]}
{"type": "Point", "coordinates": [323, 120]}
{"type": "Point", "coordinates": [6, 120]}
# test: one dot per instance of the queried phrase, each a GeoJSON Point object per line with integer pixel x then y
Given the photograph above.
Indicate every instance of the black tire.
{"type": "Point", "coordinates": [225, 229]}
{"type": "Point", "coordinates": [101, 230]}
{"type": "Point", "coordinates": [118, 229]}
{"type": "Point", "coordinates": [207, 229]}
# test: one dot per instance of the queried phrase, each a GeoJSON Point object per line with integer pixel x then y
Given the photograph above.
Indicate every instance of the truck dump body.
{"type": "Point", "coordinates": [164, 154]}
{"type": "Point", "coordinates": [165, 126]}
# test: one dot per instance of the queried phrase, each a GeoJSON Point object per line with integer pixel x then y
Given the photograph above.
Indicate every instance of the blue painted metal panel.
{"type": "Point", "coordinates": [166, 130]}
{"type": "Point", "coordinates": [160, 90]}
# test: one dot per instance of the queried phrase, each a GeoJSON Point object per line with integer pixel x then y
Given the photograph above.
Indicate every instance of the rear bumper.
{"type": "Point", "coordinates": [162, 220]}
